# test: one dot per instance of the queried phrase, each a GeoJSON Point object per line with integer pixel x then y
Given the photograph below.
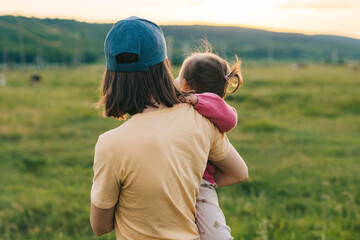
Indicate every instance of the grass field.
{"type": "Point", "coordinates": [298, 131]}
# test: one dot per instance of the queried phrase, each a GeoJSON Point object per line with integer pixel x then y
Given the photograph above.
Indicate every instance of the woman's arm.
{"type": "Point", "coordinates": [104, 191]}
{"type": "Point", "coordinates": [215, 108]}
{"type": "Point", "coordinates": [101, 220]}
{"type": "Point", "coordinates": [231, 170]}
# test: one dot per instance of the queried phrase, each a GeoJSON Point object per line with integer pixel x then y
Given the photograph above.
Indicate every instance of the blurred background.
{"type": "Point", "coordinates": [299, 110]}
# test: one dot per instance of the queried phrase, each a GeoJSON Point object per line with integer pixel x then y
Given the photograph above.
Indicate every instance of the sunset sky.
{"type": "Point", "coordinates": [339, 17]}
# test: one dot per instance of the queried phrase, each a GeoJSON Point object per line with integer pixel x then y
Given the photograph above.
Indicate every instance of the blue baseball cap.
{"type": "Point", "coordinates": [134, 35]}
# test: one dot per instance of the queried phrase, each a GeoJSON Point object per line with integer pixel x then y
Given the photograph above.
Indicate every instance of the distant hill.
{"type": "Point", "coordinates": [33, 40]}
{"type": "Point", "coordinates": [257, 44]}
{"type": "Point", "coordinates": [51, 40]}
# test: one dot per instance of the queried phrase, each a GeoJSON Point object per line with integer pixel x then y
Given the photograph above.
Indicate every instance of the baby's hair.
{"type": "Point", "coordinates": [205, 71]}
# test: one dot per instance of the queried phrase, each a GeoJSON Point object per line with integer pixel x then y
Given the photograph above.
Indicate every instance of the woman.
{"type": "Point", "coordinates": [147, 171]}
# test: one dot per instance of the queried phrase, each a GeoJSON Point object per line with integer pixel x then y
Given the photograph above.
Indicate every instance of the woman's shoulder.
{"type": "Point", "coordinates": [114, 133]}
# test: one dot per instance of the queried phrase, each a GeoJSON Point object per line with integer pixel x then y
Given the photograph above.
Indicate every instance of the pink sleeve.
{"type": "Point", "coordinates": [217, 110]}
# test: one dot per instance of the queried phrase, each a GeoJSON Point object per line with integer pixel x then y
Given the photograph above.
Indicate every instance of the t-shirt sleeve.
{"type": "Point", "coordinates": [220, 146]}
{"type": "Point", "coordinates": [106, 186]}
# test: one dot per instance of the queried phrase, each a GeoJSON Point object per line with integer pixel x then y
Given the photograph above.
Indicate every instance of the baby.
{"type": "Point", "coordinates": [210, 77]}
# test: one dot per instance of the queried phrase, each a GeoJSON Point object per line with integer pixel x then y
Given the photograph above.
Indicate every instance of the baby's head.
{"type": "Point", "coordinates": [207, 72]}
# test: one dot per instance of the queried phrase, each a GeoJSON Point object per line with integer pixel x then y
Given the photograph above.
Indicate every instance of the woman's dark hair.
{"type": "Point", "coordinates": [207, 72]}
{"type": "Point", "coordinates": [131, 92]}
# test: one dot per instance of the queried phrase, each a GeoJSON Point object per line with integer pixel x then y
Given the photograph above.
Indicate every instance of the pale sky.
{"type": "Point", "coordinates": [339, 17]}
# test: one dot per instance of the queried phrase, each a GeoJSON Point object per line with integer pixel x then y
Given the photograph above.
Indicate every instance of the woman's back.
{"type": "Point", "coordinates": [156, 160]}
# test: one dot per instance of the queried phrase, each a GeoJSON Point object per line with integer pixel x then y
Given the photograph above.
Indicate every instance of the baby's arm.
{"type": "Point", "coordinates": [216, 109]}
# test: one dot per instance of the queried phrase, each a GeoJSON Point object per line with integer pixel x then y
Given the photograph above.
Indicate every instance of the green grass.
{"type": "Point", "coordinates": [298, 132]}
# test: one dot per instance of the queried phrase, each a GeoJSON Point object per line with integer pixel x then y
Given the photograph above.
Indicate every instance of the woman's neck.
{"type": "Point", "coordinates": [153, 109]}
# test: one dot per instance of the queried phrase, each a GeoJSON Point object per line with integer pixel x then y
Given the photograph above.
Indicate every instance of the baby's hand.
{"type": "Point", "coordinates": [192, 99]}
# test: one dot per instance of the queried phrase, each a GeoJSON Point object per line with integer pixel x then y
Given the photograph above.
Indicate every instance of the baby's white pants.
{"type": "Point", "coordinates": [209, 216]}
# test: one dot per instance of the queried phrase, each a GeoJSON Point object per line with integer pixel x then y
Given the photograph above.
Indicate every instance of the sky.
{"type": "Point", "coordinates": [336, 17]}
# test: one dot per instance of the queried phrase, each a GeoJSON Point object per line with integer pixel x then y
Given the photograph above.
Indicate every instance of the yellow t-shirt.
{"type": "Point", "coordinates": [151, 167]}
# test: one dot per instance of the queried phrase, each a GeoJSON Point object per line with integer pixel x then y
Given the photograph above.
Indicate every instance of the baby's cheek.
{"type": "Point", "coordinates": [177, 83]}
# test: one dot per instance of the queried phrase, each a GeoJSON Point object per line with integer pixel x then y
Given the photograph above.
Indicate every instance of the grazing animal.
{"type": "Point", "coordinates": [35, 79]}
{"type": "Point", "coordinates": [297, 66]}
{"type": "Point", "coordinates": [353, 67]}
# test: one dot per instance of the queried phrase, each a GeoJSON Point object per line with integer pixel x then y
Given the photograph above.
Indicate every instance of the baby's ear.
{"type": "Point", "coordinates": [184, 85]}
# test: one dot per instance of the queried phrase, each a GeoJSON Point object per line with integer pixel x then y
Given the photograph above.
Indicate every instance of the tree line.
{"type": "Point", "coordinates": [69, 42]}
